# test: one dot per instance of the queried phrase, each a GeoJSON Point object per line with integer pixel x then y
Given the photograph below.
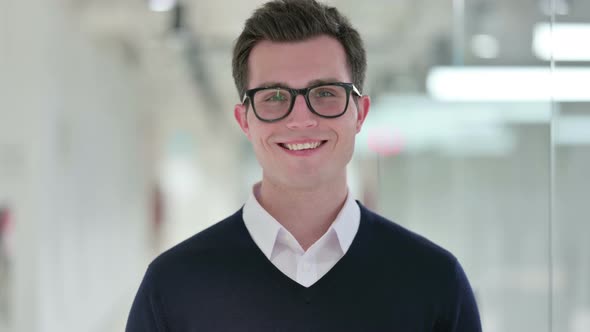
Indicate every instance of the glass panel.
{"type": "Point", "coordinates": [461, 140]}
{"type": "Point", "coordinates": [571, 159]}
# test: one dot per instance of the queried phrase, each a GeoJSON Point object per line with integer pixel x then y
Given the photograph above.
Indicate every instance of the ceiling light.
{"type": "Point", "coordinates": [485, 46]}
{"type": "Point", "coordinates": [509, 84]}
{"type": "Point", "coordinates": [162, 5]}
{"type": "Point", "coordinates": [565, 42]}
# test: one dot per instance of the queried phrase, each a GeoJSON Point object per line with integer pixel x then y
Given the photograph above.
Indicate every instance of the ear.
{"type": "Point", "coordinates": [364, 104]}
{"type": "Point", "coordinates": [240, 112]}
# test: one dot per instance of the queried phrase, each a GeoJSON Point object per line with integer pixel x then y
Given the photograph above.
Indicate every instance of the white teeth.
{"type": "Point", "coordinates": [304, 146]}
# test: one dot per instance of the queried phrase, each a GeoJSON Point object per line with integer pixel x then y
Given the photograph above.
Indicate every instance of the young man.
{"type": "Point", "coordinates": [302, 255]}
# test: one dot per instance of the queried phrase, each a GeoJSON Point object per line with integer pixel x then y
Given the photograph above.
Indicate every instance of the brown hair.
{"type": "Point", "coordinates": [297, 20]}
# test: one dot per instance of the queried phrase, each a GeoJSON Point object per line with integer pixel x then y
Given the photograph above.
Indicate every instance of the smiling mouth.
{"type": "Point", "coordinates": [302, 146]}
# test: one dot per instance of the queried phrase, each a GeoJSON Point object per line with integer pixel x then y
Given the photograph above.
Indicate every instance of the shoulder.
{"type": "Point", "coordinates": [424, 269]}
{"type": "Point", "coordinates": [403, 246]}
{"type": "Point", "coordinates": [214, 242]}
{"type": "Point", "coordinates": [407, 258]}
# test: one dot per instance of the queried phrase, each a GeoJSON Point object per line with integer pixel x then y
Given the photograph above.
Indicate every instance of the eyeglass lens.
{"type": "Point", "coordinates": [326, 100]}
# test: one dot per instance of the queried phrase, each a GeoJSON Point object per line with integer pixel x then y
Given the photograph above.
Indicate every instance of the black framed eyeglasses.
{"type": "Point", "coordinates": [328, 100]}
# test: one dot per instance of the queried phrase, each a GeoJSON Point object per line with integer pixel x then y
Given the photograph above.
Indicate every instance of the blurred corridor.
{"type": "Point", "coordinates": [117, 141]}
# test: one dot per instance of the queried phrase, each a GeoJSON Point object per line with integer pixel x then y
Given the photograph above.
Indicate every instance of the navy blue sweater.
{"type": "Point", "coordinates": [389, 280]}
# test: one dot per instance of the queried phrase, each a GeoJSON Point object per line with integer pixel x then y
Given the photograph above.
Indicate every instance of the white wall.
{"type": "Point", "coordinates": [74, 166]}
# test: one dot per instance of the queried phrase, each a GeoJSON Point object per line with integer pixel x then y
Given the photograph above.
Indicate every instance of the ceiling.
{"type": "Point", "coordinates": [404, 38]}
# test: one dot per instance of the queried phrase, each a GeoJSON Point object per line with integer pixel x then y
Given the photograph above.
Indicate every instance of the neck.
{"type": "Point", "coordinates": [307, 213]}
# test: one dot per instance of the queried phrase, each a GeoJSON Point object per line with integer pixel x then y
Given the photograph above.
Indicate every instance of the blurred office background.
{"type": "Point", "coordinates": [117, 140]}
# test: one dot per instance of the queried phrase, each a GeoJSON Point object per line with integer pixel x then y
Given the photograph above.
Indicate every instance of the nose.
{"type": "Point", "coordinates": [301, 116]}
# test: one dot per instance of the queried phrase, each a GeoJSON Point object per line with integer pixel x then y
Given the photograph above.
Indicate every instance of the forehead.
{"type": "Point", "coordinates": [297, 63]}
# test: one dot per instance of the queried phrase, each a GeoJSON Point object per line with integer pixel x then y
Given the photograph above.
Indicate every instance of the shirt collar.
{"type": "Point", "coordinates": [264, 228]}
{"type": "Point", "coordinates": [347, 222]}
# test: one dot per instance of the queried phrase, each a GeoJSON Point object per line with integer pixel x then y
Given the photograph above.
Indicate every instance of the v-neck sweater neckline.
{"type": "Point", "coordinates": [343, 267]}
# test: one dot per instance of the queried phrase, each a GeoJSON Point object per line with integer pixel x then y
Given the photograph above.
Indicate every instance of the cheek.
{"type": "Point", "coordinates": [348, 129]}
{"type": "Point", "coordinates": [348, 137]}
{"type": "Point", "coordinates": [259, 139]}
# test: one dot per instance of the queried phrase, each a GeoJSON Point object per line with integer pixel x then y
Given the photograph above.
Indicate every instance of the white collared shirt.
{"type": "Point", "coordinates": [283, 250]}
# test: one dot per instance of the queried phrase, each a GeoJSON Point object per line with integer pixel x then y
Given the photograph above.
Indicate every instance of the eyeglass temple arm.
{"type": "Point", "coordinates": [355, 90]}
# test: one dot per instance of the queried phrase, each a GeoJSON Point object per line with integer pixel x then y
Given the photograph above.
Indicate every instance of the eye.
{"type": "Point", "coordinates": [325, 92]}
{"type": "Point", "coordinates": [278, 95]}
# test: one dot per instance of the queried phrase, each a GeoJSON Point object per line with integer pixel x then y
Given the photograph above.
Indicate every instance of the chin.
{"type": "Point", "coordinates": [310, 178]}
{"type": "Point", "coordinates": [307, 184]}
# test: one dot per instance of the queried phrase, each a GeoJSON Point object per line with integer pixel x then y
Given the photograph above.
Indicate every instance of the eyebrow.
{"type": "Point", "coordinates": [273, 84]}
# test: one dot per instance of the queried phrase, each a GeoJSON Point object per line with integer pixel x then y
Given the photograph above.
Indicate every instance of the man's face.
{"type": "Point", "coordinates": [299, 65]}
